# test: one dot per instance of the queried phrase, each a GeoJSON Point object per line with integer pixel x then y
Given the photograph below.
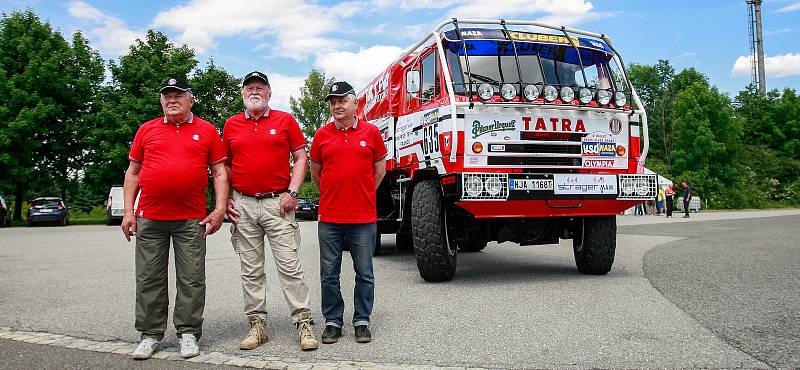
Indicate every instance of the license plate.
{"type": "Point", "coordinates": [116, 212]}
{"type": "Point", "coordinates": [45, 210]}
{"type": "Point", "coordinates": [530, 184]}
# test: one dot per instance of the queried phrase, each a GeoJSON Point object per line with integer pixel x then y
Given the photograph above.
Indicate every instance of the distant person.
{"type": "Point", "coordinates": [639, 209]}
{"type": "Point", "coordinates": [660, 201]}
{"type": "Point", "coordinates": [687, 197]}
{"type": "Point", "coordinates": [347, 165]}
{"type": "Point", "coordinates": [669, 195]}
{"type": "Point", "coordinates": [169, 162]}
{"type": "Point", "coordinates": [259, 142]}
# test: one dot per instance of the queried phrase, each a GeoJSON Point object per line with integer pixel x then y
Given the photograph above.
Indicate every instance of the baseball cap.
{"type": "Point", "coordinates": [340, 88]}
{"type": "Point", "coordinates": [176, 83]}
{"type": "Point", "coordinates": [255, 74]}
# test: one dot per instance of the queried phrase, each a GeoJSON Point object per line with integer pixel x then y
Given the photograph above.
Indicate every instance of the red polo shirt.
{"type": "Point", "coordinates": [347, 180]}
{"type": "Point", "coordinates": [174, 173]}
{"type": "Point", "coordinates": [258, 150]}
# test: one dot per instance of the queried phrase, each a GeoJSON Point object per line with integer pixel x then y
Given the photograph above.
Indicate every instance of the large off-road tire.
{"type": "Point", "coordinates": [594, 244]}
{"type": "Point", "coordinates": [436, 258]}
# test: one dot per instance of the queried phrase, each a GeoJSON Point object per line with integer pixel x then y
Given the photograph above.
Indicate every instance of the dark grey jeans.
{"type": "Point", "coordinates": [152, 262]}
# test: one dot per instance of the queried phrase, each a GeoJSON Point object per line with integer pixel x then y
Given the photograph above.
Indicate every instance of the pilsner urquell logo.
{"type": "Point", "coordinates": [478, 129]}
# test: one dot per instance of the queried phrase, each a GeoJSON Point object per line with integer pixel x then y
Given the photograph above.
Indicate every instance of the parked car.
{"type": "Point", "coordinates": [115, 207]}
{"type": "Point", "coordinates": [305, 209]}
{"type": "Point", "coordinates": [48, 209]}
{"type": "Point", "coordinates": [5, 212]}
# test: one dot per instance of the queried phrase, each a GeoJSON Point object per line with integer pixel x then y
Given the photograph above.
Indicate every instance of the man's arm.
{"type": "Point", "coordinates": [288, 203]}
{"type": "Point", "coordinates": [316, 169]}
{"type": "Point", "coordinates": [129, 191]}
{"type": "Point", "coordinates": [379, 168]}
{"type": "Point", "coordinates": [214, 220]}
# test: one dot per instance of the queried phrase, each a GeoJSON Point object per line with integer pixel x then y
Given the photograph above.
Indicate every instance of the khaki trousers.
{"type": "Point", "coordinates": [261, 218]}
{"type": "Point", "coordinates": [152, 262]}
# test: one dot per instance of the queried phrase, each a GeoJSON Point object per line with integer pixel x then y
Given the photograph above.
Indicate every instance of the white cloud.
{"type": "Point", "coordinates": [777, 32]}
{"type": "Point", "coordinates": [411, 5]}
{"type": "Point", "coordinates": [778, 66]}
{"type": "Point", "coordinates": [111, 35]}
{"type": "Point", "coordinates": [558, 12]}
{"type": "Point", "coordinates": [361, 67]}
{"type": "Point", "coordinates": [299, 28]}
{"type": "Point", "coordinates": [283, 87]}
{"type": "Point", "coordinates": [789, 8]}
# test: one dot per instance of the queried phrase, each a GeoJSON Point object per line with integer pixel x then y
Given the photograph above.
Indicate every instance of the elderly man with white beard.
{"type": "Point", "coordinates": [264, 195]}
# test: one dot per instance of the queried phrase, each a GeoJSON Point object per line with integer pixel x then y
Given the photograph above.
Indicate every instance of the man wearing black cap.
{"type": "Point", "coordinates": [347, 165]}
{"type": "Point", "coordinates": [264, 195]}
{"type": "Point", "coordinates": [169, 160]}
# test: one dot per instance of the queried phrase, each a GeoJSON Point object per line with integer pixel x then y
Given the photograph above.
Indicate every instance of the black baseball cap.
{"type": "Point", "coordinates": [255, 74]}
{"type": "Point", "coordinates": [340, 88]}
{"type": "Point", "coordinates": [175, 83]}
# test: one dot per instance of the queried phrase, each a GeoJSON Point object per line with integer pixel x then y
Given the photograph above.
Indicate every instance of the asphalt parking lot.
{"type": "Point", "coordinates": [669, 302]}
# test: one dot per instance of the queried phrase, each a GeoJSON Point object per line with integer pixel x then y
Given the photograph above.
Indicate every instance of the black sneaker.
{"type": "Point", "coordinates": [331, 334]}
{"type": "Point", "coordinates": [362, 334]}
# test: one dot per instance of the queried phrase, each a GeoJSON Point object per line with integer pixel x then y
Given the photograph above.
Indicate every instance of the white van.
{"type": "Point", "coordinates": [115, 207]}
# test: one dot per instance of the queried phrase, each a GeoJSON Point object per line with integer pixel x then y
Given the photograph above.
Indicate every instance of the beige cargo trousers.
{"type": "Point", "coordinates": [259, 218]}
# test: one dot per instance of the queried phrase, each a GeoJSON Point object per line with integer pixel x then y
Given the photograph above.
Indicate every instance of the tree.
{"type": "Point", "coordinates": [311, 110]}
{"type": "Point", "coordinates": [43, 91]}
{"type": "Point", "coordinates": [707, 149]}
{"type": "Point", "coordinates": [218, 94]}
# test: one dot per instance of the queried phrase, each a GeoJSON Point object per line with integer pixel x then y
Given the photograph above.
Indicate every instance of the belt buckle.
{"type": "Point", "coordinates": [260, 195]}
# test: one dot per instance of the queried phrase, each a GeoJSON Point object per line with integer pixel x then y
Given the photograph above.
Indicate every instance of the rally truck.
{"type": "Point", "coordinates": [507, 131]}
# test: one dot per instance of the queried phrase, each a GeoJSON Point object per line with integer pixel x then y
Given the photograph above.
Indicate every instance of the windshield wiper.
{"type": "Point", "coordinates": [484, 78]}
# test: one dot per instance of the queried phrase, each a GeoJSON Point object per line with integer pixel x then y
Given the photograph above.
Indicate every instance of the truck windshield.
{"type": "Point", "coordinates": [493, 62]}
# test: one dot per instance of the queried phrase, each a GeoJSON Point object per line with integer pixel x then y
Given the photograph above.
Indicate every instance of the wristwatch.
{"type": "Point", "coordinates": [293, 194]}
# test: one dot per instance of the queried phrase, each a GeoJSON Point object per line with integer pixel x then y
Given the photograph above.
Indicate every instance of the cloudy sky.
{"type": "Point", "coordinates": [354, 40]}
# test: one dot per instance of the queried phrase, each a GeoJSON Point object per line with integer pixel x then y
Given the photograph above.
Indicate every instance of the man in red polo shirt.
{"type": "Point", "coordinates": [347, 165]}
{"type": "Point", "coordinates": [169, 162]}
{"type": "Point", "coordinates": [259, 142]}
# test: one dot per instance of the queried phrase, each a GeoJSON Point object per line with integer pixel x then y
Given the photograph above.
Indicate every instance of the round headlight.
{"type": "Point", "coordinates": [473, 186]}
{"type": "Point", "coordinates": [603, 97]}
{"type": "Point", "coordinates": [550, 93]}
{"type": "Point", "coordinates": [585, 95]}
{"type": "Point", "coordinates": [531, 92]}
{"type": "Point", "coordinates": [477, 147]}
{"type": "Point", "coordinates": [628, 186]}
{"type": "Point", "coordinates": [508, 91]}
{"type": "Point", "coordinates": [493, 186]}
{"type": "Point", "coordinates": [567, 94]}
{"type": "Point", "coordinates": [620, 99]}
{"type": "Point", "coordinates": [641, 187]}
{"type": "Point", "coordinates": [485, 91]}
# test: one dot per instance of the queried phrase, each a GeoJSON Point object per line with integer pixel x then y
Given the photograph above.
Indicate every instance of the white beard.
{"type": "Point", "coordinates": [255, 103]}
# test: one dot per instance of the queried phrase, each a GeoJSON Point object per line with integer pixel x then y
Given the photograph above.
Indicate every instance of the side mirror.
{"type": "Point", "coordinates": [412, 82]}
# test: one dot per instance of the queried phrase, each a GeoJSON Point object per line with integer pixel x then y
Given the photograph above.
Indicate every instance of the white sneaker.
{"type": "Point", "coordinates": [146, 348]}
{"type": "Point", "coordinates": [189, 346]}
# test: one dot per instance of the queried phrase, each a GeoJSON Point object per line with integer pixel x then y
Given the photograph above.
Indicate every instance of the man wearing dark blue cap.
{"type": "Point", "coordinates": [347, 165]}
{"type": "Point", "coordinates": [169, 162]}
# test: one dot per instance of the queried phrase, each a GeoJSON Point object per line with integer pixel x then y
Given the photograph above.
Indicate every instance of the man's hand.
{"type": "Point", "coordinates": [233, 214]}
{"type": "Point", "coordinates": [214, 221]}
{"type": "Point", "coordinates": [287, 203]}
{"type": "Point", "coordinates": [128, 226]}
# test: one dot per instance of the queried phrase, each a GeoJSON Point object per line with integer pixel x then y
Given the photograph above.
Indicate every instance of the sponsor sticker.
{"type": "Point", "coordinates": [571, 184]}
{"type": "Point", "coordinates": [497, 148]}
{"type": "Point", "coordinates": [598, 144]}
{"type": "Point", "coordinates": [598, 163]}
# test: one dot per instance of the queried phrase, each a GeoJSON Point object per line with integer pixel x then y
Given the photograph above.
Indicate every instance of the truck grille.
{"type": "Point", "coordinates": [562, 151]}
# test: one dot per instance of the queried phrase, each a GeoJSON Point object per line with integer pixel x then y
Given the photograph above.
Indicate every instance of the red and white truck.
{"type": "Point", "coordinates": [507, 131]}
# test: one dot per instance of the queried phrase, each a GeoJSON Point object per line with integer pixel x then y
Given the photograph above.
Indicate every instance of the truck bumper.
{"type": "Point", "coordinates": [526, 195]}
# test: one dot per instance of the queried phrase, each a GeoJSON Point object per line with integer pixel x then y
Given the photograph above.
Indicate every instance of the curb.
{"type": "Point", "coordinates": [216, 358]}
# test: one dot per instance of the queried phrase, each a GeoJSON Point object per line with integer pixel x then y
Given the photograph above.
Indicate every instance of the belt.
{"type": "Point", "coordinates": [264, 195]}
